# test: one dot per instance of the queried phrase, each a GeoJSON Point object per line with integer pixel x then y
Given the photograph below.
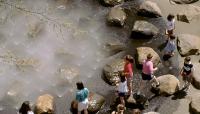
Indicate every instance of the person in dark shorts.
{"type": "Point", "coordinates": [170, 25]}
{"type": "Point", "coordinates": [122, 88]}
{"type": "Point", "coordinates": [187, 72]}
{"type": "Point", "coordinates": [148, 70]}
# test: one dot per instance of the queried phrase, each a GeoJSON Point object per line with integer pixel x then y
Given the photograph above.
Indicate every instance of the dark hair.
{"type": "Point", "coordinates": [122, 78]}
{"type": "Point", "coordinates": [80, 85]}
{"type": "Point", "coordinates": [129, 58]}
{"type": "Point", "coordinates": [187, 59]}
{"type": "Point", "coordinates": [172, 37]}
{"type": "Point", "coordinates": [25, 107]}
{"type": "Point", "coordinates": [170, 17]}
{"type": "Point", "coordinates": [149, 56]}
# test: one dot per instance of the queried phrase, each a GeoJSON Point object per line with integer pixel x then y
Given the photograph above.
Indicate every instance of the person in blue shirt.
{"type": "Point", "coordinates": [82, 98]}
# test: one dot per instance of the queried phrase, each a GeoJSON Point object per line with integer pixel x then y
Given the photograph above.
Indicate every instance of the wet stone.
{"type": "Point", "coordinates": [144, 29]}
{"type": "Point", "coordinates": [96, 102]}
{"type": "Point", "coordinates": [116, 16]}
{"type": "Point", "coordinates": [111, 69]}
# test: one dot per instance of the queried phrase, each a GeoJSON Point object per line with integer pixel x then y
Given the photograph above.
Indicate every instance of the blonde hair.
{"type": "Point", "coordinates": [137, 111]}
{"type": "Point", "coordinates": [120, 108]}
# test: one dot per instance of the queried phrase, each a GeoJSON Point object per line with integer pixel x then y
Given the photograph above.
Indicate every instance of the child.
{"type": "Point", "coordinates": [170, 48]}
{"type": "Point", "coordinates": [128, 71]}
{"type": "Point", "coordinates": [120, 109]}
{"type": "Point", "coordinates": [122, 88]}
{"type": "Point", "coordinates": [170, 25]}
{"type": "Point", "coordinates": [187, 72]}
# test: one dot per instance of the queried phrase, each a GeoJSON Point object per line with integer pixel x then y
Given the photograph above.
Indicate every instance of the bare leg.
{"type": "Point", "coordinates": [85, 111]}
{"type": "Point", "coordinates": [122, 100]}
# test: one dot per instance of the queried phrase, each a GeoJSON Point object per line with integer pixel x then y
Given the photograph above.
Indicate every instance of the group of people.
{"type": "Point", "coordinates": [125, 87]}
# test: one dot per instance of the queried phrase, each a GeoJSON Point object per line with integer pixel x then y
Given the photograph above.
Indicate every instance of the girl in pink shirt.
{"type": "Point", "coordinates": [148, 70]}
{"type": "Point", "coordinates": [128, 71]}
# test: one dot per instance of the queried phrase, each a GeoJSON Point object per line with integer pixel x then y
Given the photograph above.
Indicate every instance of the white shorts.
{"type": "Point", "coordinates": [83, 105]}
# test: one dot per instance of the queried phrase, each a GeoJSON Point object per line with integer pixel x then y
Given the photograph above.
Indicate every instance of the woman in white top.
{"type": "Point", "coordinates": [170, 25]}
{"type": "Point", "coordinates": [122, 88]}
{"type": "Point", "coordinates": [25, 108]}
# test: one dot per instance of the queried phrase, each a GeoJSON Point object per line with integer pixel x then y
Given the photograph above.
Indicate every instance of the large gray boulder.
{"type": "Point", "coordinates": [196, 76]}
{"type": "Point", "coordinates": [194, 106]}
{"type": "Point", "coordinates": [144, 29]}
{"type": "Point", "coordinates": [188, 44]}
{"type": "Point", "coordinates": [44, 104]}
{"type": "Point", "coordinates": [96, 102]}
{"type": "Point", "coordinates": [111, 71]}
{"type": "Point", "coordinates": [111, 2]}
{"type": "Point", "coordinates": [149, 9]}
{"type": "Point", "coordinates": [141, 55]}
{"type": "Point", "coordinates": [169, 84]}
{"type": "Point", "coordinates": [183, 1]}
{"type": "Point", "coordinates": [189, 13]}
{"type": "Point", "coordinates": [116, 16]}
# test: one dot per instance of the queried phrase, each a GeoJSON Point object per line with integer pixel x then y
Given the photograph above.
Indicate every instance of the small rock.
{"type": "Point", "coordinates": [169, 84]}
{"type": "Point", "coordinates": [116, 16]}
{"type": "Point", "coordinates": [141, 55]}
{"type": "Point", "coordinates": [186, 47]}
{"type": "Point", "coordinates": [68, 73]}
{"type": "Point", "coordinates": [111, 71]}
{"type": "Point", "coordinates": [111, 2]}
{"type": "Point", "coordinates": [144, 29]}
{"type": "Point", "coordinates": [149, 9]}
{"type": "Point", "coordinates": [44, 104]}
{"type": "Point", "coordinates": [194, 106]}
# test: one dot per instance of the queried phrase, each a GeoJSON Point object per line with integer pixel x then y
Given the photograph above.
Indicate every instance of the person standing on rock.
{"type": "Point", "coordinates": [122, 88]}
{"type": "Point", "coordinates": [82, 98]}
{"type": "Point", "coordinates": [148, 70]}
{"type": "Point", "coordinates": [25, 108]}
{"type": "Point", "coordinates": [187, 72]}
{"type": "Point", "coordinates": [169, 49]}
{"type": "Point", "coordinates": [128, 71]}
{"type": "Point", "coordinates": [170, 25]}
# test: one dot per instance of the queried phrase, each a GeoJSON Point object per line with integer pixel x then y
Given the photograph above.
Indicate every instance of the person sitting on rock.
{"type": "Point", "coordinates": [122, 88]}
{"type": "Point", "coordinates": [148, 70]}
{"type": "Point", "coordinates": [169, 49]}
{"type": "Point", "coordinates": [120, 109]}
{"type": "Point", "coordinates": [170, 25]}
{"type": "Point", "coordinates": [25, 108]}
{"type": "Point", "coordinates": [82, 98]}
{"type": "Point", "coordinates": [128, 71]}
{"type": "Point", "coordinates": [187, 72]}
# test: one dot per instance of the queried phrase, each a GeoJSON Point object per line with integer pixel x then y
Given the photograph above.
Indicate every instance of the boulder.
{"type": "Point", "coordinates": [96, 102]}
{"type": "Point", "coordinates": [183, 1]}
{"type": "Point", "coordinates": [116, 16]}
{"type": "Point", "coordinates": [114, 46]}
{"type": "Point", "coordinates": [194, 106]}
{"type": "Point", "coordinates": [189, 13]}
{"type": "Point", "coordinates": [196, 76]}
{"type": "Point", "coordinates": [44, 104]}
{"type": "Point", "coordinates": [169, 84]}
{"type": "Point", "coordinates": [149, 9]}
{"type": "Point", "coordinates": [144, 29]}
{"type": "Point", "coordinates": [188, 44]}
{"type": "Point", "coordinates": [111, 69]}
{"type": "Point", "coordinates": [141, 55]}
{"type": "Point", "coordinates": [111, 2]}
